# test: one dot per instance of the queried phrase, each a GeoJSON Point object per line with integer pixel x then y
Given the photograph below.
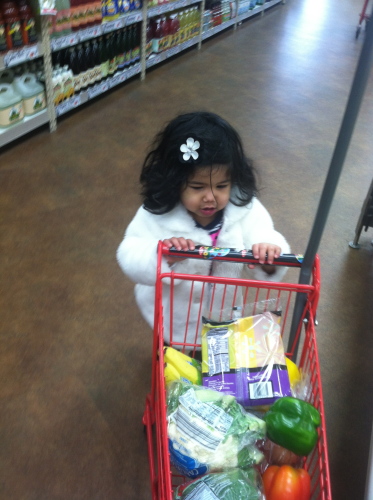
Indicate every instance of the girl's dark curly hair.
{"type": "Point", "coordinates": [164, 174]}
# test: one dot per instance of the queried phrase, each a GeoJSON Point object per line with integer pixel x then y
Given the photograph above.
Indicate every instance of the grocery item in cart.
{"type": "Point", "coordinates": [245, 357]}
{"type": "Point", "coordinates": [209, 431]}
{"type": "Point", "coordinates": [229, 485]}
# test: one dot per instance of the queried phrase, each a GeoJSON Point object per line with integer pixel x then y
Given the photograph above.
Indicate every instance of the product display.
{"type": "Point", "coordinates": [17, 25]}
{"type": "Point", "coordinates": [21, 94]}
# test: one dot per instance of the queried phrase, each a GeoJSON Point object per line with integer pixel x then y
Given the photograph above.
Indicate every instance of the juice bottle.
{"type": "Point", "coordinates": [12, 25]}
{"type": "Point", "coordinates": [3, 45]}
{"type": "Point", "coordinates": [104, 57]}
{"type": "Point", "coordinates": [90, 64]}
{"type": "Point", "coordinates": [91, 13]}
{"type": "Point", "coordinates": [75, 14]}
{"type": "Point", "coordinates": [27, 23]}
{"type": "Point", "coordinates": [96, 61]}
{"type": "Point", "coordinates": [97, 12]}
{"type": "Point", "coordinates": [182, 22]}
{"type": "Point", "coordinates": [149, 37]}
{"type": "Point", "coordinates": [111, 52]}
{"type": "Point", "coordinates": [82, 64]}
{"type": "Point", "coordinates": [136, 34]}
{"type": "Point", "coordinates": [73, 65]}
{"type": "Point", "coordinates": [197, 20]}
{"type": "Point", "coordinates": [128, 46]}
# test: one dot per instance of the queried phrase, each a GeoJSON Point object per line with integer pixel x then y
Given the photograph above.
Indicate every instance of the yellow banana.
{"type": "Point", "coordinates": [170, 373]}
{"type": "Point", "coordinates": [294, 373]}
{"type": "Point", "coordinates": [175, 357]}
{"type": "Point", "coordinates": [182, 363]}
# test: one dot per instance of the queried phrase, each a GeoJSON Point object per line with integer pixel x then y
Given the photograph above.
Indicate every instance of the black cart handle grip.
{"type": "Point", "coordinates": [231, 254]}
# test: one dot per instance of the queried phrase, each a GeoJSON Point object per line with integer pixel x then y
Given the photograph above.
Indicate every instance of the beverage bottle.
{"type": "Point", "coordinates": [111, 52]}
{"type": "Point", "coordinates": [164, 34]}
{"type": "Point", "coordinates": [68, 82]}
{"type": "Point", "coordinates": [104, 58]}
{"type": "Point", "coordinates": [157, 40]}
{"type": "Point", "coordinates": [136, 44]}
{"type": "Point", "coordinates": [90, 11]}
{"type": "Point", "coordinates": [121, 57]}
{"type": "Point", "coordinates": [82, 63]}
{"type": "Point", "coordinates": [197, 21]}
{"type": "Point", "coordinates": [3, 45]}
{"type": "Point", "coordinates": [128, 47]}
{"type": "Point", "coordinates": [97, 12]}
{"type": "Point", "coordinates": [90, 64]}
{"type": "Point", "coordinates": [174, 29]}
{"type": "Point", "coordinates": [13, 29]}
{"type": "Point", "coordinates": [149, 37]}
{"type": "Point", "coordinates": [27, 23]}
{"type": "Point", "coordinates": [75, 14]}
{"type": "Point", "coordinates": [96, 61]}
{"type": "Point", "coordinates": [182, 19]}
{"type": "Point", "coordinates": [74, 66]}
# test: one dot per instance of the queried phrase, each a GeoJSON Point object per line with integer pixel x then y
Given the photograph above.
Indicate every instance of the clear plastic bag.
{"type": "Point", "coordinates": [244, 357]}
{"type": "Point", "coordinates": [209, 431]}
{"type": "Point", "coordinates": [234, 484]}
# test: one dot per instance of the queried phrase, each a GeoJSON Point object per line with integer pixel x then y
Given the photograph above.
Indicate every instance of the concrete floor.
{"type": "Point", "coordinates": [74, 353]}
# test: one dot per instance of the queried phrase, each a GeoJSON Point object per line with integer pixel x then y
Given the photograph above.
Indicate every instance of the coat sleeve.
{"type": "Point", "coordinates": [261, 230]}
{"type": "Point", "coordinates": [137, 253]}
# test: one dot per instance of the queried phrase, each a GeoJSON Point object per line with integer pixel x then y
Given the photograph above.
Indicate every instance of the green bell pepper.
{"type": "Point", "coordinates": [292, 423]}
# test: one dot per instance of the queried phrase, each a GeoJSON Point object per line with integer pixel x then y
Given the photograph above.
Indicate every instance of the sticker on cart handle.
{"type": "Point", "coordinates": [212, 252]}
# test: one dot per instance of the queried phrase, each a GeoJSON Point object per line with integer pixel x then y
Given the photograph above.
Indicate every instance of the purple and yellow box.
{"type": "Point", "coordinates": [245, 358]}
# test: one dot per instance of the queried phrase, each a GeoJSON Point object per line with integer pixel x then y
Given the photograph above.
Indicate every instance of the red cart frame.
{"type": "Point", "coordinates": [163, 478]}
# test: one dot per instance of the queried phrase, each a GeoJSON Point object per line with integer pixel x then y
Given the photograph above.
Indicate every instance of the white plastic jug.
{"type": "Point", "coordinates": [6, 76]}
{"type": "Point", "coordinates": [32, 93]}
{"type": "Point", "coordinates": [11, 105]}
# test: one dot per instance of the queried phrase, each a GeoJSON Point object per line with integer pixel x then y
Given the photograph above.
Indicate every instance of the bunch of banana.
{"type": "Point", "coordinates": [179, 366]}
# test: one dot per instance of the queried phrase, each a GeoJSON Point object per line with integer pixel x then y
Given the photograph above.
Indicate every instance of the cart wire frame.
{"type": "Point", "coordinates": [162, 476]}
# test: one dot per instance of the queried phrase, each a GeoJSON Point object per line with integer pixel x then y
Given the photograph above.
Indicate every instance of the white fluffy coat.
{"type": "Point", "coordinates": [137, 256]}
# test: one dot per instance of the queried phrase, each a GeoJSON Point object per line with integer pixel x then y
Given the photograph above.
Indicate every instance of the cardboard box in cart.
{"type": "Point", "coordinates": [163, 478]}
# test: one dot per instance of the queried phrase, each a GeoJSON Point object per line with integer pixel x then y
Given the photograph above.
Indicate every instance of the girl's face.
{"type": "Point", "coordinates": [206, 192]}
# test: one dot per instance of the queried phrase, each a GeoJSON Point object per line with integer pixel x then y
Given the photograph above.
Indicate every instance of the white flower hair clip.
{"type": "Point", "coordinates": [189, 150]}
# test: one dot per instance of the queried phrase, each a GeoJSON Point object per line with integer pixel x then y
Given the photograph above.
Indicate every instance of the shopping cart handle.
{"type": "Point", "coordinates": [230, 254]}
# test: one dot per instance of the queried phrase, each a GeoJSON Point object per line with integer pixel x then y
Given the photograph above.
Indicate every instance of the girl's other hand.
{"type": "Point", "coordinates": [265, 252]}
{"type": "Point", "coordinates": [179, 244]}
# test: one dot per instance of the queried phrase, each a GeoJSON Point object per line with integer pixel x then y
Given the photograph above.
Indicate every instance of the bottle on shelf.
{"type": "Point", "coordinates": [112, 55]}
{"type": "Point", "coordinates": [121, 55]}
{"type": "Point", "coordinates": [104, 57]}
{"type": "Point", "coordinates": [3, 44]}
{"type": "Point", "coordinates": [82, 64]}
{"type": "Point", "coordinates": [11, 105]}
{"type": "Point", "coordinates": [174, 29]}
{"type": "Point", "coordinates": [62, 23]}
{"type": "Point", "coordinates": [68, 82]}
{"type": "Point", "coordinates": [74, 66]}
{"type": "Point", "coordinates": [128, 52]}
{"type": "Point", "coordinates": [158, 34]}
{"type": "Point", "coordinates": [13, 30]}
{"type": "Point", "coordinates": [75, 14]}
{"type": "Point", "coordinates": [182, 29]}
{"type": "Point", "coordinates": [96, 61]}
{"type": "Point", "coordinates": [149, 37]}
{"type": "Point", "coordinates": [26, 15]}
{"type": "Point", "coordinates": [135, 45]}
{"type": "Point", "coordinates": [91, 77]}
{"type": "Point", "coordinates": [31, 91]}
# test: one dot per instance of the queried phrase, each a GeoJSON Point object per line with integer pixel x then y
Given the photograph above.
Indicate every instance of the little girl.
{"type": "Point", "coordinates": [198, 189]}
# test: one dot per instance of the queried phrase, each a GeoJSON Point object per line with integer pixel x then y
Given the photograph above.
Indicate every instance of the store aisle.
{"type": "Point", "coordinates": [74, 353]}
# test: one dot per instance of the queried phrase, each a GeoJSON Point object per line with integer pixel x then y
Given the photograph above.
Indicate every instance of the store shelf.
{"type": "Point", "coordinates": [270, 4]}
{"type": "Point", "coordinates": [89, 94]}
{"type": "Point", "coordinates": [253, 12]}
{"type": "Point", "coordinates": [95, 31]}
{"type": "Point", "coordinates": [21, 55]}
{"type": "Point", "coordinates": [217, 29]}
{"type": "Point", "coordinates": [170, 6]}
{"type": "Point", "coordinates": [28, 124]}
{"type": "Point", "coordinates": [158, 58]}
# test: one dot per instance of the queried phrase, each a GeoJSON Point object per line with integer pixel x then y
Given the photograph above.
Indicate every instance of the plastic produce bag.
{"type": "Point", "coordinates": [209, 431]}
{"type": "Point", "coordinates": [235, 484]}
{"type": "Point", "coordinates": [245, 357]}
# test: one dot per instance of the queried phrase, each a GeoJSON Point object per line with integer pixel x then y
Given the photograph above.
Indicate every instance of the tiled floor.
{"type": "Point", "coordinates": [74, 353]}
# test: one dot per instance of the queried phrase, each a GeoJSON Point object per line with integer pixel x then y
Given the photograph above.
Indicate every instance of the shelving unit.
{"type": "Point", "coordinates": [47, 46]}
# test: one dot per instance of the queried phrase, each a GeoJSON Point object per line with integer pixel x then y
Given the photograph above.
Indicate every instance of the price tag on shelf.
{"type": "Point", "coordinates": [133, 18]}
{"type": "Point", "coordinates": [68, 105]}
{"type": "Point", "coordinates": [154, 11]}
{"type": "Point", "coordinates": [122, 77]}
{"type": "Point", "coordinates": [64, 41]}
{"type": "Point", "coordinates": [90, 33]}
{"type": "Point", "coordinates": [14, 57]}
{"type": "Point", "coordinates": [112, 25]}
{"type": "Point", "coordinates": [114, 81]}
{"type": "Point", "coordinates": [95, 91]}
{"type": "Point", "coordinates": [173, 51]}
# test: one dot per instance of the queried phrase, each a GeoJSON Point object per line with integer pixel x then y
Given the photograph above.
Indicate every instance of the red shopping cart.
{"type": "Point", "coordinates": [162, 476]}
{"type": "Point", "coordinates": [362, 17]}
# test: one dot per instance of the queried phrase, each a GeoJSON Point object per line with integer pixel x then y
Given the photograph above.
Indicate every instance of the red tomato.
{"type": "Point", "coordinates": [286, 483]}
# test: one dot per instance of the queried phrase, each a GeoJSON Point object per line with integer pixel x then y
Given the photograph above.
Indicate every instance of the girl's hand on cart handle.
{"type": "Point", "coordinates": [265, 253]}
{"type": "Point", "coordinates": [179, 244]}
